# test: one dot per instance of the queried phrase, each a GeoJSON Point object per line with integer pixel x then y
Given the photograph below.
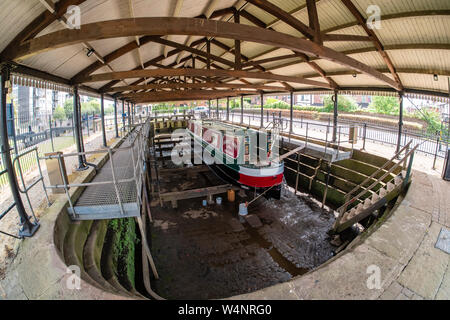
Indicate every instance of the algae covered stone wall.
{"type": "Point", "coordinates": [123, 246]}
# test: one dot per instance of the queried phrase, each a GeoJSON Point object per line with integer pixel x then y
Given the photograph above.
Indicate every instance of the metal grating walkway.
{"type": "Point", "coordinates": [100, 201]}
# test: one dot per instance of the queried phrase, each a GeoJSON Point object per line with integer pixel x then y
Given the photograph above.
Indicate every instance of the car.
{"type": "Point", "coordinates": [201, 109]}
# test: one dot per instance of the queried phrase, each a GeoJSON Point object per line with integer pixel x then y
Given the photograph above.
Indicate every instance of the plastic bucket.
{"type": "Point", "coordinates": [204, 203]}
{"type": "Point", "coordinates": [219, 200]}
{"type": "Point", "coordinates": [243, 211]}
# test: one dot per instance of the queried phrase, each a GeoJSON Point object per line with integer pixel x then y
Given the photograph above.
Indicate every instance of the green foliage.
{"type": "Point", "coordinates": [433, 119]}
{"type": "Point", "coordinates": [385, 105]}
{"type": "Point", "coordinates": [68, 108]}
{"type": "Point", "coordinates": [345, 104]}
{"type": "Point", "coordinates": [90, 107]}
{"type": "Point", "coordinates": [59, 114]}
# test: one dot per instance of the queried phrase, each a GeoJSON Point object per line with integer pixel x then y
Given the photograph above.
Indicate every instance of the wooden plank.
{"type": "Point", "coordinates": [186, 26]}
{"type": "Point", "coordinates": [196, 193]}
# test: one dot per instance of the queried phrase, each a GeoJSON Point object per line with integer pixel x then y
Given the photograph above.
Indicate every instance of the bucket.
{"type": "Point", "coordinates": [219, 200]}
{"type": "Point", "coordinates": [204, 203]}
{"type": "Point", "coordinates": [243, 211]}
{"type": "Point", "coordinates": [231, 196]}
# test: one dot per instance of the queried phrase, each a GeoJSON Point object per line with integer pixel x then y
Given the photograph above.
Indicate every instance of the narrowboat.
{"type": "Point", "coordinates": [242, 156]}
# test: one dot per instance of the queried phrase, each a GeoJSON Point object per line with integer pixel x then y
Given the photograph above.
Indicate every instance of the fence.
{"type": "Point", "coordinates": [430, 144]}
{"type": "Point", "coordinates": [48, 134]}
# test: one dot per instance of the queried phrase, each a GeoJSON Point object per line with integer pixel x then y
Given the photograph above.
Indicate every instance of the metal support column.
{"type": "Point", "coordinates": [242, 109]}
{"type": "Point", "coordinates": [262, 110]}
{"type": "Point", "coordinates": [129, 116]}
{"type": "Point", "coordinates": [335, 116]}
{"type": "Point", "coordinates": [78, 133]}
{"type": "Point", "coordinates": [123, 115]}
{"type": "Point", "coordinates": [209, 108]}
{"type": "Point", "coordinates": [217, 108]}
{"type": "Point", "coordinates": [291, 113]}
{"type": "Point", "coordinates": [102, 115]}
{"type": "Point", "coordinates": [116, 125]}
{"type": "Point", "coordinates": [228, 108]}
{"type": "Point", "coordinates": [28, 228]}
{"type": "Point", "coordinates": [400, 123]}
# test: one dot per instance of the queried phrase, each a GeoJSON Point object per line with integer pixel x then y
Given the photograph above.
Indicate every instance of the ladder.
{"type": "Point", "coordinates": [379, 198]}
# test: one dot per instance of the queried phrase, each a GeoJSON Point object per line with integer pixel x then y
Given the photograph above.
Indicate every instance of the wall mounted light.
{"type": "Point", "coordinates": [354, 75]}
{"type": "Point", "coordinates": [90, 52]}
{"type": "Point", "coordinates": [435, 77]}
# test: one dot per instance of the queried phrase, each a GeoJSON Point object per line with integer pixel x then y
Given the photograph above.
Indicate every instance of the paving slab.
{"type": "Point", "coordinates": [253, 221]}
{"type": "Point", "coordinates": [235, 225]}
{"type": "Point", "coordinates": [425, 272]}
{"type": "Point", "coordinates": [400, 236]}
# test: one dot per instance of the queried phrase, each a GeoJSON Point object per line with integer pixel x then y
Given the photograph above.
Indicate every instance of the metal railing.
{"type": "Point", "coordinates": [137, 150]}
{"type": "Point", "coordinates": [350, 199]}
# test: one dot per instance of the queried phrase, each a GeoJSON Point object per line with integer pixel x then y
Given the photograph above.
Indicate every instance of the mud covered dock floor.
{"type": "Point", "coordinates": [208, 253]}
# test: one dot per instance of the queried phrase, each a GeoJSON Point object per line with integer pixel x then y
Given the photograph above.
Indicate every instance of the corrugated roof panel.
{"type": "Point", "coordinates": [15, 16]}
{"type": "Point", "coordinates": [64, 62]}
{"type": "Point", "coordinates": [429, 29]}
{"type": "Point", "coordinates": [433, 60]}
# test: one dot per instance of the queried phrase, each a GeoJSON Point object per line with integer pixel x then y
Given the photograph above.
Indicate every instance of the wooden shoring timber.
{"type": "Point", "coordinates": [196, 193]}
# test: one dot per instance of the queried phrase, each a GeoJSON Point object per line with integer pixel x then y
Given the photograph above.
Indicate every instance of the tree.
{"type": "Point", "coordinates": [92, 106]}
{"type": "Point", "coordinates": [345, 104]}
{"type": "Point", "coordinates": [385, 105]}
{"type": "Point", "coordinates": [68, 108]}
{"type": "Point", "coordinates": [59, 114]}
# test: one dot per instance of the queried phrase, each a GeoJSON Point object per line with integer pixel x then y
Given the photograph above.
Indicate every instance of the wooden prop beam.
{"type": "Point", "coordinates": [186, 26]}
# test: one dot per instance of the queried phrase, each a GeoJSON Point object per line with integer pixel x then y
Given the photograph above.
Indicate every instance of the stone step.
{"type": "Point", "coordinates": [390, 186]}
{"type": "Point", "coordinates": [398, 180]}
{"type": "Point", "coordinates": [367, 203]}
{"type": "Point", "coordinates": [382, 192]}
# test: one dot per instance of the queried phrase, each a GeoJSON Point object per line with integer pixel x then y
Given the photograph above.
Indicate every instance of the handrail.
{"type": "Point", "coordinates": [361, 185]}
{"type": "Point", "coordinates": [378, 180]}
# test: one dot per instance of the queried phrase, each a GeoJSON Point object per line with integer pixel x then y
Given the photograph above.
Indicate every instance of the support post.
{"type": "Point", "coordinates": [228, 108]}
{"type": "Point", "coordinates": [123, 115]}
{"type": "Point", "coordinates": [335, 116]}
{"type": "Point", "coordinates": [116, 126]}
{"type": "Point", "coordinates": [262, 109]}
{"type": "Point", "coordinates": [102, 114]}
{"type": "Point", "coordinates": [28, 228]}
{"type": "Point", "coordinates": [217, 108]}
{"type": "Point", "coordinates": [129, 116]}
{"type": "Point", "coordinates": [78, 133]}
{"type": "Point", "coordinates": [291, 113]}
{"type": "Point", "coordinates": [400, 123]}
{"type": "Point", "coordinates": [209, 108]}
{"type": "Point", "coordinates": [242, 109]}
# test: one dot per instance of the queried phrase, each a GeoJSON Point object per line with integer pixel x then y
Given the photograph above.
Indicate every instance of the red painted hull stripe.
{"type": "Point", "coordinates": [260, 182]}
